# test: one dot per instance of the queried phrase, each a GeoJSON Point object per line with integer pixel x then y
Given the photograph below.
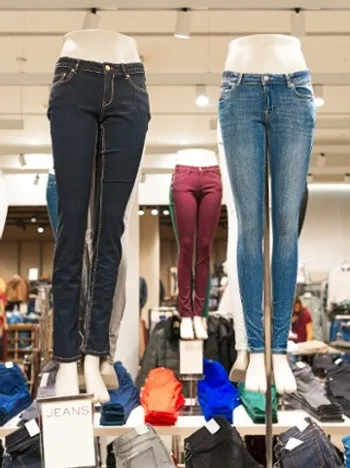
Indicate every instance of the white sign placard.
{"type": "Point", "coordinates": [68, 434]}
{"type": "Point", "coordinates": [191, 357]}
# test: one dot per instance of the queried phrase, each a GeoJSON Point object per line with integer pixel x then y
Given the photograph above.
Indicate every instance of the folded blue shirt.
{"type": "Point", "coordinates": [216, 394]}
{"type": "Point", "coordinates": [14, 393]}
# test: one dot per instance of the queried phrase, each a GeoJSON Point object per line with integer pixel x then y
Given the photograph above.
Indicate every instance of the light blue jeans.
{"type": "Point", "coordinates": [346, 442]}
{"type": "Point", "coordinates": [271, 115]}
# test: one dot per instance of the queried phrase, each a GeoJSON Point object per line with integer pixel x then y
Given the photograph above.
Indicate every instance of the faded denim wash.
{"type": "Point", "coordinates": [270, 115]}
{"type": "Point", "coordinates": [99, 116]}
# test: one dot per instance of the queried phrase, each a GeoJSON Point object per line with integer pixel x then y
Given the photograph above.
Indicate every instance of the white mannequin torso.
{"type": "Point", "coordinates": [265, 53]}
{"type": "Point", "coordinates": [196, 158]}
{"type": "Point", "coordinates": [99, 45]}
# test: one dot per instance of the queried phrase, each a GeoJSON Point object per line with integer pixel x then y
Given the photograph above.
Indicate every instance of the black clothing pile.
{"type": "Point", "coordinates": [338, 386]}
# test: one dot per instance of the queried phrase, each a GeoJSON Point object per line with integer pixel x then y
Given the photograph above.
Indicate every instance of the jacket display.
{"type": "Point", "coordinates": [162, 397]}
{"type": "Point", "coordinates": [163, 346]}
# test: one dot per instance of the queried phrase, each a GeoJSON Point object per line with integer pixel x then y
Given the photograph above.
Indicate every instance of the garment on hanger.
{"type": "Point", "coordinates": [196, 193]}
{"type": "Point", "coordinates": [338, 285]}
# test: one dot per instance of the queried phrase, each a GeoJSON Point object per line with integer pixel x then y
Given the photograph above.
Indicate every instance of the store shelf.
{"type": "Point", "coordinates": [187, 425]}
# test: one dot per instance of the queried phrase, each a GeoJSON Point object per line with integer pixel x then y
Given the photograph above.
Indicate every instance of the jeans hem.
{"type": "Point", "coordinates": [280, 351]}
{"type": "Point", "coordinates": [257, 350]}
{"type": "Point", "coordinates": [92, 352]}
{"type": "Point", "coordinates": [66, 360]}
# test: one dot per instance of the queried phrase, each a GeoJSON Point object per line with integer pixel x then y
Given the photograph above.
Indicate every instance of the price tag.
{"type": "Point", "coordinates": [300, 364]}
{"type": "Point", "coordinates": [212, 426]}
{"type": "Point", "coordinates": [32, 428]}
{"type": "Point", "coordinates": [338, 361]}
{"type": "Point", "coordinates": [302, 425]}
{"type": "Point", "coordinates": [8, 365]}
{"type": "Point", "coordinates": [68, 433]}
{"type": "Point", "coordinates": [142, 429]}
{"type": "Point", "coordinates": [44, 379]}
{"type": "Point", "coordinates": [293, 443]}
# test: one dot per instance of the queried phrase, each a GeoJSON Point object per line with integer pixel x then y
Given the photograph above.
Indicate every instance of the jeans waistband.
{"type": "Point", "coordinates": [101, 68]}
{"type": "Point", "coordinates": [196, 170]}
{"type": "Point", "coordinates": [266, 78]}
{"type": "Point", "coordinates": [202, 438]}
{"type": "Point", "coordinates": [133, 435]}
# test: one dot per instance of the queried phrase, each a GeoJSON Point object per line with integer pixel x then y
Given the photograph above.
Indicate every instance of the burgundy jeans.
{"type": "Point", "coordinates": [197, 193]}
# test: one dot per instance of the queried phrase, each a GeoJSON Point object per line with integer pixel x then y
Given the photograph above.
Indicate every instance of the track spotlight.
{"type": "Point", "coordinates": [202, 99]}
{"type": "Point", "coordinates": [310, 178]}
{"type": "Point", "coordinates": [33, 219]}
{"type": "Point", "coordinates": [141, 212]}
{"type": "Point", "coordinates": [347, 178]}
{"type": "Point", "coordinates": [37, 179]}
{"type": "Point", "coordinates": [183, 24]}
{"type": "Point", "coordinates": [297, 23]}
{"type": "Point", "coordinates": [321, 160]}
{"type": "Point", "coordinates": [143, 178]}
{"type": "Point", "coordinates": [22, 160]}
{"type": "Point", "coordinates": [166, 212]}
{"type": "Point", "coordinates": [91, 20]}
{"type": "Point", "coordinates": [154, 212]}
{"type": "Point", "coordinates": [40, 230]}
{"type": "Point", "coordinates": [319, 101]}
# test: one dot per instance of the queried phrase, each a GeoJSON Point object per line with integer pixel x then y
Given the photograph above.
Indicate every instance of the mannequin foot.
{"type": "Point", "coordinates": [186, 329]}
{"type": "Point", "coordinates": [240, 366]}
{"type": "Point", "coordinates": [109, 376]}
{"type": "Point", "coordinates": [283, 375]}
{"type": "Point", "coordinates": [67, 382]}
{"type": "Point", "coordinates": [93, 380]}
{"type": "Point", "coordinates": [255, 380]}
{"type": "Point", "coordinates": [199, 328]}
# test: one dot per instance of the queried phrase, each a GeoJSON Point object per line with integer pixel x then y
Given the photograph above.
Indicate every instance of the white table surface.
{"type": "Point", "coordinates": [187, 425]}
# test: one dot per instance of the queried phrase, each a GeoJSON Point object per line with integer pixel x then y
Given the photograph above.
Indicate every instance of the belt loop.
{"type": "Point", "coordinates": [77, 65]}
{"type": "Point", "coordinates": [126, 75]}
{"type": "Point", "coordinates": [289, 81]}
{"type": "Point", "coordinates": [239, 79]}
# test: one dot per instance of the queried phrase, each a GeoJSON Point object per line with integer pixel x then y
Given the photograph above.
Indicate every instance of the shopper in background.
{"type": "Point", "coordinates": [301, 322]}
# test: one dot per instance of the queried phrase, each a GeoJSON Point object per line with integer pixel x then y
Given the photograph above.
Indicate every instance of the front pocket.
{"type": "Point", "coordinates": [141, 459]}
{"type": "Point", "coordinates": [303, 91]}
{"type": "Point", "coordinates": [62, 77]}
{"type": "Point", "coordinates": [138, 82]}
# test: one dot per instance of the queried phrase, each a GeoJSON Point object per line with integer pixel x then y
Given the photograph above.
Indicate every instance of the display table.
{"type": "Point", "coordinates": [187, 425]}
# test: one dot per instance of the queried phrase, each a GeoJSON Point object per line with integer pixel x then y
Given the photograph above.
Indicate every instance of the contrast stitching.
{"type": "Point", "coordinates": [72, 359]}
{"type": "Point", "coordinates": [96, 247]}
{"type": "Point", "coordinates": [106, 104]}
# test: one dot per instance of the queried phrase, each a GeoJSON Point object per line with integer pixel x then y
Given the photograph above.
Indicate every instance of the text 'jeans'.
{"type": "Point", "coordinates": [196, 193]}
{"type": "Point", "coordinates": [99, 114]}
{"type": "Point", "coordinates": [274, 115]}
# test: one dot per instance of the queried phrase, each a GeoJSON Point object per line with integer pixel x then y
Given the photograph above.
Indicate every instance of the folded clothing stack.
{"type": "Point", "coordinates": [162, 397]}
{"type": "Point", "coordinates": [216, 394]}
{"type": "Point", "coordinates": [123, 400]}
{"type": "Point", "coordinates": [142, 447]}
{"type": "Point", "coordinates": [337, 385]}
{"type": "Point", "coordinates": [218, 444]}
{"type": "Point", "coordinates": [22, 449]}
{"type": "Point", "coordinates": [255, 404]}
{"type": "Point", "coordinates": [310, 396]}
{"type": "Point", "coordinates": [14, 394]}
{"type": "Point", "coordinates": [306, 445]}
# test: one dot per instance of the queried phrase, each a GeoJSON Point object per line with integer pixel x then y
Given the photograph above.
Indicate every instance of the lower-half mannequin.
{"type": "Point", "coordinates": [3, 203]}
{"type": "Point", "coordinates": [99, 114]}
{"type": "Point", "coordinates": [267, 106]}
{"type": "Point", "coordinates": [196, 193]}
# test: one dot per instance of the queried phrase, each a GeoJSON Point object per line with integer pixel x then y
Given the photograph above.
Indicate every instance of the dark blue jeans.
{"type": "Point", "coordinates": [23, 450]}
{"type": "Point", "coordinates": [52, 203]}
{"type": "Point", "coordinates": [99, 114]}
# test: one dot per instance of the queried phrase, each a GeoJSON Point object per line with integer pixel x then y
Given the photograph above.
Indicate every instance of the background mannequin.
{"type": "Point", "coordinates": [4, 203]}
{"type": "Point", "coordinates": [196, 193]}
{"type": "Point", "coordinates": [83, 51]}
{"type": "Point", "coordinates": [263, 60]}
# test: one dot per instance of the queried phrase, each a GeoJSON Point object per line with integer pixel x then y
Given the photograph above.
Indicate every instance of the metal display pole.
{"type": "Point", "coordinates": [268, 313]}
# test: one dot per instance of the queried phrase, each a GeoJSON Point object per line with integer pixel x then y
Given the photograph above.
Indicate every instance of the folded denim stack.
{"type": "Point", "coordinates": [255, 404]}
{"type": "Point", "coordinates": [162, 397]}
{"type": "Point", "coordinates": [142, 448]}
{"type": "Point", "coordinates": [14, 394]}
{"type": "Point", "coordinates": [306, 445]}
{"type": "Point", "coordinates": [337, 385]}
{"type": "Point", "coordinates": [346, 442]}
{"type": "Point", "coordinates": [216, 394]}
{"type": "Point", "coordinates": [22, 450]}
{"type": "Point", "coordinates": [218, 444]}
{"type": "Point", "coordinates": [123, 400]}
{"type": "Point", "coordinates": [310, 396]}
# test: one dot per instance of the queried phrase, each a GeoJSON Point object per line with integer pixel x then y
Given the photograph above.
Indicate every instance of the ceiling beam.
{"type": "Point", "coordinates": [165, 79]}
{"type": "Point", "coordinates": [173, 4]}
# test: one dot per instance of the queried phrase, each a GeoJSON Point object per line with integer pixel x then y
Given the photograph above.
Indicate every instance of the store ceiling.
{"type": "Point", "coordinates": [31, 37]}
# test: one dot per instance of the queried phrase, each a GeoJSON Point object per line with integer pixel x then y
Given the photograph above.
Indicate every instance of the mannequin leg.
{"type": "Point", "coordinates": [67, 382]}
{"type": "Point", "coordinates": [185, 205]}
{"type": "Point", "coordinates": [93, 379]}
{"type": "Point", "coordinates": [283, 375]}
{"type": "Point", "coordinates": [255, 380]}
{"type": "Point", "coordinates": [240, 366]}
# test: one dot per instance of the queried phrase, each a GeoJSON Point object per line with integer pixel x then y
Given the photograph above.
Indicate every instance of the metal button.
{"type": "Point", "coordinates": [266, 78]}
{"type": "Point", "coordinates": [107, 67]}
